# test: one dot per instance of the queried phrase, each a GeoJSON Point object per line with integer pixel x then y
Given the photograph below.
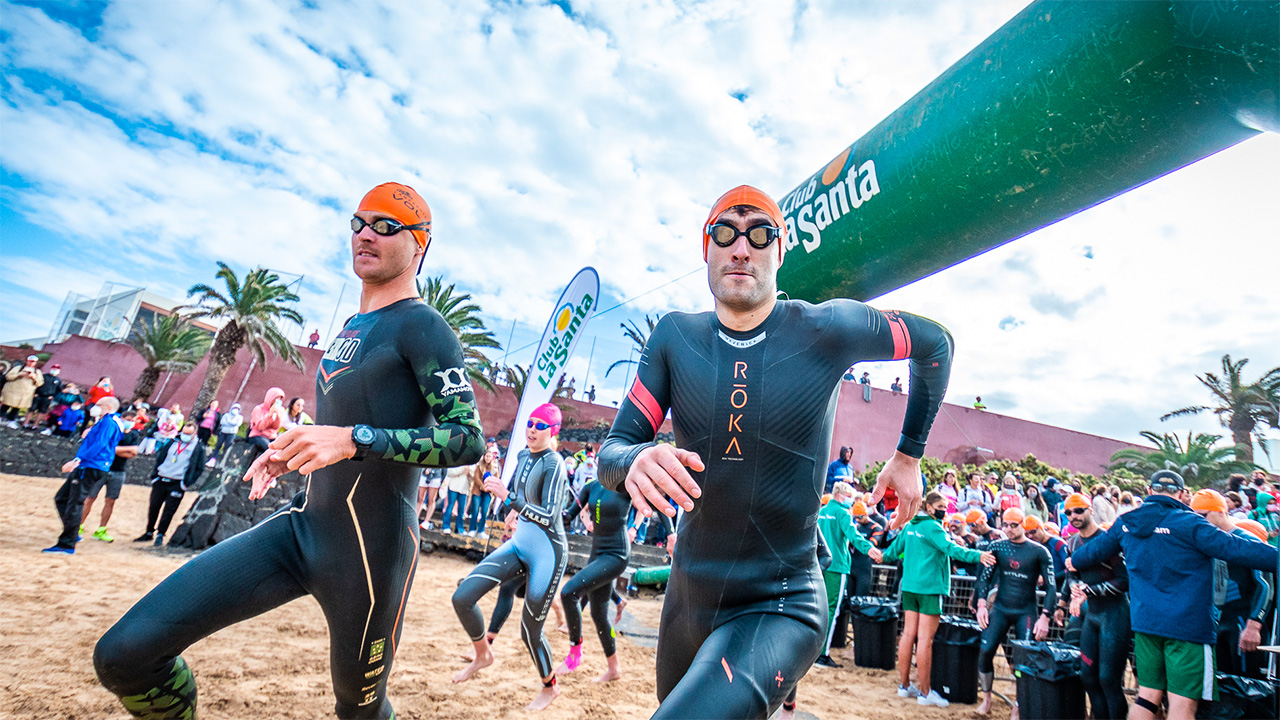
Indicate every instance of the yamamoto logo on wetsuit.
{"type": "Point", "coordinates": [455, 381]}
{"type": "Point", "coordinates": [809, 210]}
{"type": "Point", "coordinates": [741, 344]}
{"type": "Point", "coordinates": [568, 320]}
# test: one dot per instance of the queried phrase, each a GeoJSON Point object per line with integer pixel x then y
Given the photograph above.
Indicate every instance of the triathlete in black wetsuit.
{"type": "Point", "coordinates": [751, 388]}
{"type": "Point", "coordinates": [537, 551]}
{"type": "Point", "coordinates": [610, 551]}
{"type": "Point", "coordinates": [1103, 609]}
{"type": "Point", "coordinates": [1020, 565]}
{"type": "Point", "coordinates": [350, 539]}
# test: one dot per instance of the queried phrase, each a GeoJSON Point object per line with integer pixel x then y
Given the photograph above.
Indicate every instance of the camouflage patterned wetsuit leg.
{"type": "Point", "coordinates": [350, 539]}
{"type": "Point", "coordinates": [746, 611]}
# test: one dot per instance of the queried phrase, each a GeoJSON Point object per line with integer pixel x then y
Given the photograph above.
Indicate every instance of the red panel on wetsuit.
{"type": "Point", "coordinates": [643, 399]}
{"type": "Point", "coordinates": [901, 338]}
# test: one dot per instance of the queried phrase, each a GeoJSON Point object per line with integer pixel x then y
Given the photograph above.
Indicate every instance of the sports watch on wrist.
{"type": "Point", "coordinates": [363, 436]}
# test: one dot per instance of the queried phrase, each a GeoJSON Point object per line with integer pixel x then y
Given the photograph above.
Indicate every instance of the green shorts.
{"type": "Point", "coordinates": [1175, 666]}
{"type": "Point", "coordinates": [923, 604]}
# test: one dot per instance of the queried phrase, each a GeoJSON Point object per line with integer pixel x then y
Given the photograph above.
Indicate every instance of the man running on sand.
{"type": "Point", "coordinates": [751, 388]}
{"type": "Point", "coordinates": [392, 397]}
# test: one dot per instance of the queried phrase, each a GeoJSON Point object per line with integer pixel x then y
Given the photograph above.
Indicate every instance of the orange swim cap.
{"type": "Point", "coordinates": [1077, 500]}
{"type": "Point", "coordinates": [402, 203]}
{"type": "Point", "coordinates": [1254, 528]}
{"type": "Point", "coordinates": [1031, 523]}
{"type": "Point", "coordinates": [1052, 529]}
{"type": "Point", "coordinates": [1013, 515]}
{"type": "Point", "coordinates": [1208, 501]}
{"type": "Point", "coordinates": [826, 498]}
{"type": "Point", "coordinates": [974, 516]}
{"type": "Point", "coordinates": [751, 197]}
{"type": "Point", "coordinates": [859, 509]}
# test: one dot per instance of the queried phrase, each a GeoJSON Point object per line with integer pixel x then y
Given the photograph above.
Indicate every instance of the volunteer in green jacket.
{"type": "Point", "coordinates": [925, 548]}
{"type": "Point", "coordinates": [839, 531]}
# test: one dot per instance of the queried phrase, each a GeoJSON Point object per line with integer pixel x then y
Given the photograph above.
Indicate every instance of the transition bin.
{"type": "Point", "coordinates": [1048, 679]}
{"type": "Point", "coordinates": [875, 632]}
{"type": "Point", "coordinates": [955, 659]}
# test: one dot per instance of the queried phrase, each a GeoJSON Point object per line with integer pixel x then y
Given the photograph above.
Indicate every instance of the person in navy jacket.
{"type": "Point", "coordinates": [1169, 551]}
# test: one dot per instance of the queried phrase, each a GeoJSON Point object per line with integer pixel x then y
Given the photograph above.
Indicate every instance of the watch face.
{"type": "Point", "coordinates": [364, 434]}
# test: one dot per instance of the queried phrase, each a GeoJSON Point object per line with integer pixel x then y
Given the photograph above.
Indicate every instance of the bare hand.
{"type": "Point", "coordinates": [1041, 629]}
{"type": "Point", "coordinates": [875, 554]}
{"type": "Point", "coordinates": [509, 522]}
{"type": "Point", "coordinates": [671, 544]}
{"type": "Point", "coordinates": [983, 617]}
{"type": "Point", "coordinates": [263, 473]}
{"type": "Point", "coordinates": [1059, 617]}
{"type": "Point", "coordinates": [988, 559]}
{"type": "Point", "coordinates": [661, 469]}
{"type": "Point", "coordinates": [307, 448]}
{"type": "Point", "coordinates": [903, 473]}
{"type": "Point", "coordinates": [631, 534]}
{"type": "Point", "coordinates": [1069, 566]}
{"type": "Point", "coordinates": [495, 487]}
{"type": "Point", "coordinates": [1251, 636]}
{"type": "Point", "coordinates": [70, 465]}
{"type": "Point", "coordinates": [1077, 604]}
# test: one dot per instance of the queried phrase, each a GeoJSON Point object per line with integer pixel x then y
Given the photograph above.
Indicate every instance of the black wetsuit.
{"type": "Point", "coordinates": [610, 551]}
{"type": "Point", "coordinates": [746, 610]}
{"type": "Point", "coordinates": [536, 551]}
{"type": "Point", "coordinates": [350, 538]}
{"type": "Point", "coordinates": [1249, 595]}
{"type": "Point", "coordinates": [1105, 635]}
{"type": "Point", "coordinates": [1018, 568]}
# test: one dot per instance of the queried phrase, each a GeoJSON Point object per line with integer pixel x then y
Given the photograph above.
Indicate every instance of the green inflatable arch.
{"type": "Point", "coordinates": [1068, 104]}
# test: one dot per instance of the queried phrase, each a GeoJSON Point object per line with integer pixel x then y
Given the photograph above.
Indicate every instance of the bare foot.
{"type": "Point", "coordinates": [609, 676]}
{"type": "Point", "coordinates": [617, 616]}
{"type": "Point", "coordinates": [544, 698]}
{"type": "Point", "coordinates": [985, 707]}
{"type": "Point", "coordinates": [482, 661]}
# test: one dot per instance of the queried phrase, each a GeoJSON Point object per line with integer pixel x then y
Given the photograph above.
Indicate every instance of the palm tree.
{"type": "Point", "coordinates": [518, 378]}
{"type": "Point", "coordinates": [251, 310]}
{"type": "Point", "coordinates": [1199, 462]}
{"type": "Point", "coordinates": [1240, 407]}
{"type": "Point", "coordinates": [637, 336]}
{"type": "Point", "coordinates": [170, 343]}
{"type": "Point", "coordinates": [463, 317]}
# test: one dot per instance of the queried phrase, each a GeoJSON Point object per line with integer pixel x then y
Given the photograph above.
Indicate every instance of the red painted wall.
{"type": "Point", "coordinates": [872, 430]}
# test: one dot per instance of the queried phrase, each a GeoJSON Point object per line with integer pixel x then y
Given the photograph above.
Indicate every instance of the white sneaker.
{"type": "Point", "coordinates": [909, 691]}
{"type": "Point", "coordinates": [212, 462]}
{"type": "Point", "coordinates": [483, 536]}
{"type": "Point", "coordinates": [471, 533]}
{"type": "Point", "coordinates": [446, 531]}
{"type": "Point", "coordinates": [933, 698]}
{"type": "Point", "coordinates": [47, 431]}
{"type": "Point", "coordinates": [14, 424]}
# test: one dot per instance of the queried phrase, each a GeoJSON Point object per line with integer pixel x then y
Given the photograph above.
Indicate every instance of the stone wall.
{"type": "Point", "coordinates": [25, 452]}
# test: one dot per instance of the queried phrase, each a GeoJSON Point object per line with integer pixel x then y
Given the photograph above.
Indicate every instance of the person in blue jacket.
{"type": "Point", "coordinates": [1169, 551]}
{"type": "Point", "coordinates": [92, 461]}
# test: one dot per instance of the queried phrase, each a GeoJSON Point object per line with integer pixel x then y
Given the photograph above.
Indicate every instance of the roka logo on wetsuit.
{"type": "Point", "coordinates": [455, 381]}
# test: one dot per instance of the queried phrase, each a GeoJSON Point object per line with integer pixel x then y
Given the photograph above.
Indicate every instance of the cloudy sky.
{"type": "Point", "coordinates": [141, 142]}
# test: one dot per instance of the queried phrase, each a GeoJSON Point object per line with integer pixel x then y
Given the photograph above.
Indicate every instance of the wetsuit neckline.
{"type": "Point", "coordinates": [766, 325]}
{"type": "Point", "coordinates": [384, 308]}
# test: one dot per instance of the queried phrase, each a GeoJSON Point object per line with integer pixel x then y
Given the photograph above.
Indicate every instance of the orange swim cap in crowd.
{"type": "Point", "coordinates": [1052, 529]}
{"type": "Point", "coordinates": [974, 516]}
{"type": "Point", "coordinates": [826, 498]}
{"type": "Point", "coordinates": [1253, 527]}
{"type": "Point", "coordinates": [1076, 500]}
{"type": "Point", "coordinates": [1208, 501]}
{"type": "Point", "coordinates": [1030, 523]}
{"type": "Point", "coordinates": [859, 509]}
{"type": "Point", "coordinates": [1013, 515]}
{"type": "Point", "coordinates": [402, 203]}
{"type": "Point", "coordinates": [751, 197]}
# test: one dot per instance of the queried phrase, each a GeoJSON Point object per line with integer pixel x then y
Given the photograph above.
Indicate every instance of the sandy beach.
{"type": "Point", "coordinates": [53, 608]}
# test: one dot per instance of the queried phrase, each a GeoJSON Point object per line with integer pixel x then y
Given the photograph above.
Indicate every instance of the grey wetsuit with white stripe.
{"type": "Point", "coordinates": [538, 550]}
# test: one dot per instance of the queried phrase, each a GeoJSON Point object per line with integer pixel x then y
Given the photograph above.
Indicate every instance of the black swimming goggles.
{"type": "Point", "coordinates": [384, 226]}
{"type": "Point", "coordinates": [760, 236]}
